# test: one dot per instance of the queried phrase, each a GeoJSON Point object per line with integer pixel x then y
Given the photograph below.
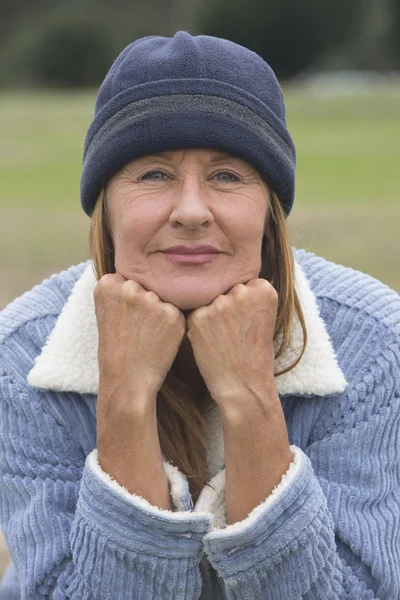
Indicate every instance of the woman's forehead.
{"type": "Point", "coordinates": [210, 154]}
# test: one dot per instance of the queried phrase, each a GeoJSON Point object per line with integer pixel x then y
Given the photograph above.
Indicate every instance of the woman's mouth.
{"type": "Point", "coordinates": [190, 258]}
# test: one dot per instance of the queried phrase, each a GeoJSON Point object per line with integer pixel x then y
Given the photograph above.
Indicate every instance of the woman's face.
{"type": "Point", "coordinates": [188, 197]}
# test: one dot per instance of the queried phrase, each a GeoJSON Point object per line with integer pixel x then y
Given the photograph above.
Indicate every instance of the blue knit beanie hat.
{"type": "Point", "coordinates": [188, 92]}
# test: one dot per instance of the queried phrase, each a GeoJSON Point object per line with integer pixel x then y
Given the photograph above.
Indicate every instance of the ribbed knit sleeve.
{"type": "Point", "coordinates": [70, 535]}
{"type": "Point", "coordinates": [334, 534]}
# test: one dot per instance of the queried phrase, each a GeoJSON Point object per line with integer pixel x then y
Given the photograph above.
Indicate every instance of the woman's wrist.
{"type": "Point", "coordinates": [130, 399]}
{"type": "Point", "coordinates": [129, 451]}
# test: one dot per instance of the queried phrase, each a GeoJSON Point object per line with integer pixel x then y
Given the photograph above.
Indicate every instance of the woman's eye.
{"type": "Point", "coordinates": [154, 176]}
{"type": "Point", "coordinates": [227, 177]}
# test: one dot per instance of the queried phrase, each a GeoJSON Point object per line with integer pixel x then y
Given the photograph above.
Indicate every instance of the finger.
{"type": "Point", "coordinates": [118, 276]}
{"type": "Point", "coordinates": [238, 290]}
{"type": "Point", "coordinates": [110, 279]}
{"type": "Point", "coordinates": [108, 284]}
{"type": "Point", "coordinates": [257, 282]}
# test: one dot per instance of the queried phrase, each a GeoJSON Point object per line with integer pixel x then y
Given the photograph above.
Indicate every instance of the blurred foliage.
{"type": "Point", "coordinates": [291, 34]}
{"type": "Point", "coordinates": [394, 39]}
{"type": "Point", "coordinates": [374, 41]}
{"type": "Point", "coordinates": [72, 43]}
{"type": "Point", "coordinates": [66, 52]}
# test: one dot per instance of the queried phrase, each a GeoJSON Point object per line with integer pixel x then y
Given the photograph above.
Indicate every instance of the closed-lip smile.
{"type": "Point", "coordinates": [199, 249]}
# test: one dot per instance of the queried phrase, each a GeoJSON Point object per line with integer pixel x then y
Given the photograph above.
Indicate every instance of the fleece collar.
{"type": "Point", "coordinates": [68, 360]}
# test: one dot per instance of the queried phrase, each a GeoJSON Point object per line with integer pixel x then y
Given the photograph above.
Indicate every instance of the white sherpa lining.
{"type": "Point", "coordinates": [171, 471]}
{"type": "Point", "coordinates": [211, 501]}
{"type": "Point", "coordinates": [215, 501]}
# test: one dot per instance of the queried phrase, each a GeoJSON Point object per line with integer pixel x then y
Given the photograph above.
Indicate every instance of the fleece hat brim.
{"type": "Point", "coordinates": [186, 112]}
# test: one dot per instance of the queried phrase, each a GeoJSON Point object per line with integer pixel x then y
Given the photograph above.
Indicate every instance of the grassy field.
{"type": "Point", "coordinates": [347, 199]}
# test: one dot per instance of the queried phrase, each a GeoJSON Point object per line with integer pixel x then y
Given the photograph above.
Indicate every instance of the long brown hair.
{"type": "Point", "coordinates": [181, 423]}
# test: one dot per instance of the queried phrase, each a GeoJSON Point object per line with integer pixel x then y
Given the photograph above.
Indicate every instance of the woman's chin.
{"type": "Point", "coordinates": [188, 301]}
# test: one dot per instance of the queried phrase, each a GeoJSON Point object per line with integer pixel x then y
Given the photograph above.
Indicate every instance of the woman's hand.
{"type": "Point", "coordinates": [232, 341]}
{"type": "Point", "coordinates": [139, 337]}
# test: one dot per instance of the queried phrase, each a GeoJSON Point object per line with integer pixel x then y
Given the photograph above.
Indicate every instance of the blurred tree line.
{"type": "Point", "coordinates": [72, 43]}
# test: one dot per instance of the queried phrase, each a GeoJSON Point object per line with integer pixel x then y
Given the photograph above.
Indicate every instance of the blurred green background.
{"type": "Point", "coordinates": [339, 66]}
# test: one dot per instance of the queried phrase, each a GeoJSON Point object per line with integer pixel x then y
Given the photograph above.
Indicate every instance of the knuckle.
{"type": "Point", "coordinates": [171, 311]}
{"type": "Point", "coordinates": [128, 290]}
{"type": "Point", "coordinates": [266, 284]}
{"type": "Point", "coordinates": [274, 295]}
{"type": "Point", "coordinates": [202, 312]}
{"type": "Point", "coordinates": [107, 283]}
{"type": "Point", "coordinates": [97, 291]}
{"type": "Point", "coordinates": [197, 315]}
{"type": "Point", "coordinates": [151, 296]}
{"type": "Point", "coordinates": [263, 284]}
{"type": "Point", "coordinates": [101, 286]}
{"type": "Point", "coordinates": [129, 284]}
{"type": "Point", "coordinates": [109, 279]}
{"type": "Point", "coordinates": [239, 290]}
{"type": "Point", "coordinates": [169, 308]}
{"type": "Point", "coordinates": [221, 302]}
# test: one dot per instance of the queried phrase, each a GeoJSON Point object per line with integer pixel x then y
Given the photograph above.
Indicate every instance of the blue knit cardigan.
{"type": "Point", "coordinates": [329, 530]}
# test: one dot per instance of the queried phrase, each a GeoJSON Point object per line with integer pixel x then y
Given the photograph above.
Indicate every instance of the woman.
{"type": "Point", "coordinates": [203, 414]}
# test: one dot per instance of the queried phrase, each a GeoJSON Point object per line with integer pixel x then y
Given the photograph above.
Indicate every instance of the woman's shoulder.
{"type": "Point", "coordinates": [350, 289]}
{"type": "Point", "coordinates": [43, 301]}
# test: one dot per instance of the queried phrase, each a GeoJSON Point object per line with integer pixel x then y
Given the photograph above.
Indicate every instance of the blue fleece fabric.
{"type": "Point", "coordinates": [334, 534]}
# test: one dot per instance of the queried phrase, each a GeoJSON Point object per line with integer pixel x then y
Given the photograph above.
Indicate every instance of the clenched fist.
{"type": "Point", "coordinates": [139, 337]}
{"type": "Point", "coordinates": [232, 341]}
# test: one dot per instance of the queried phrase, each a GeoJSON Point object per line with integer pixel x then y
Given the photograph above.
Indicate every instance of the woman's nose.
{"type": "Point", "coordinates": [191, 204]}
